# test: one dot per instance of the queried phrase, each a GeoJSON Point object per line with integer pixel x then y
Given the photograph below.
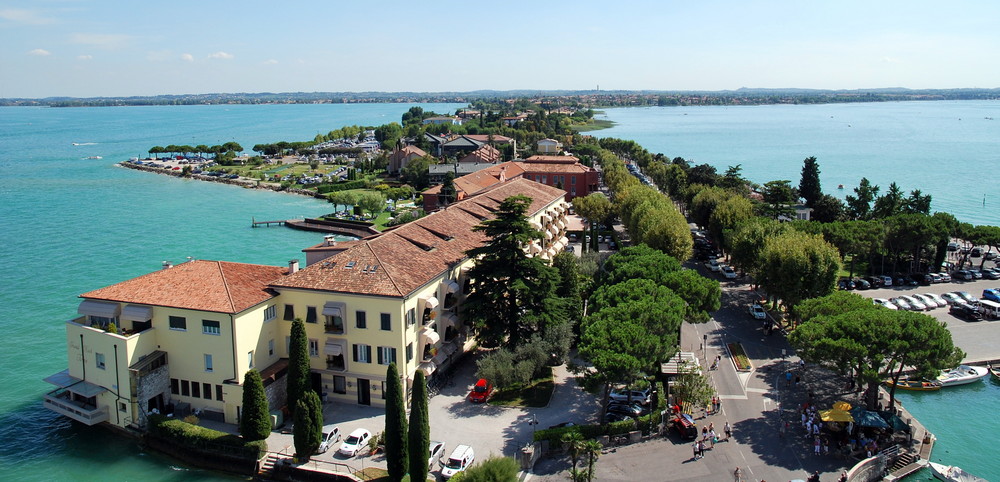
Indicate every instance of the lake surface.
{"type": "Point", "coordinates": [72, 224]}
{"type": "Point", "coordinates": [947, 149]}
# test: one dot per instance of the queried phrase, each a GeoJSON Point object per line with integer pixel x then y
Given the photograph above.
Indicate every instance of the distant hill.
{"type": "Point", "coordinates": [592, 98]}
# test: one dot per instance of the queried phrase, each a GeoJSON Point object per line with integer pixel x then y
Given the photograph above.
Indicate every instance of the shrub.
{"type": "Point", "coordinates": [185, 434]}
{"type": "Point", "coordinates": [255, 424]}
{"type": "Point", "coordinates": [493, 469]}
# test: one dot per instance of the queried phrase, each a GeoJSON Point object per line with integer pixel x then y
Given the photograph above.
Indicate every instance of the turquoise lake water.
{"type": "Point", "coordinates": [72, 224]}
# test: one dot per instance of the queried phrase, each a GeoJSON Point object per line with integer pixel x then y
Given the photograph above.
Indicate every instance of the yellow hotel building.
{"type": "Point", "coordinates": [179, 340]}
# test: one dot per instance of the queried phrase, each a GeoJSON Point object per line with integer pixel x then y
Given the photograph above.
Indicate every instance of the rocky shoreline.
{"type": "Point", "coordinates": [241, 182]}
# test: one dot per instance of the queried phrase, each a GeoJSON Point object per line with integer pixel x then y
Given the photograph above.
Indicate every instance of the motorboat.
{"type": "Point", "coordinates": [962, 375]}
{"type": "Point", "coordinates": [951, 473]}
{"type": "Point", "coordinates": [918, 385]}
{"type": "Point", "coordinates": [995, 371]}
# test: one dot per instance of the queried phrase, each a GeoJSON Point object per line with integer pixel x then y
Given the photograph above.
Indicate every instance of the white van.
{"type": "Point", "coordinates": [989, 309]}
{"type": "Point", "coordinates": [461, 458]}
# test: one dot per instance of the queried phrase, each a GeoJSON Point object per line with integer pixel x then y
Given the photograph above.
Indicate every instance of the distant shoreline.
{"type": "Point", "coordinates": [239, 182]}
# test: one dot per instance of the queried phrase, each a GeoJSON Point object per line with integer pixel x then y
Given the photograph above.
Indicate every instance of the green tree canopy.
{"type": "Point", "coordinates": [298, 364]}
{"type": "Point", "coordinates": [809, 185]}
{"type": "Point", "coordinates": [419, 431]}
{"type": "Point", "coordinates": [396, 453]}
{"type": "Point", "coordinates": [796, 266]}
{"type": "Point", "coordinates": [307, 432]}
{"type": "Point", "coordinates": [255, 422]}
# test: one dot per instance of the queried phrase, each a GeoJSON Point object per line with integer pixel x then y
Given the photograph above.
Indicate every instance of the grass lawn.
{"type": "Point", "coordinates": [535, 394]}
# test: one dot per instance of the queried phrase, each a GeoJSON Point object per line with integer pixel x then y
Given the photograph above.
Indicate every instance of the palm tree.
{"type": "Point", "coordinates": [574, 443]}
{"type": "Point", "coordinates": [592, 449]}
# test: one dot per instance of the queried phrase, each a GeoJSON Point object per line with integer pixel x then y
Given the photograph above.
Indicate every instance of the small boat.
{"type": "Point", "coordinates": [962, 375]}
{"type": "Point", "coordinates": [95, 157]}
{"type": "Point", "coordinates": [951, 473]}
{"type": "Point", "coordinates": [995, 371]}
{"type": "Point", "coordinates": [918, 385]}
{"type": "Point", "coordinates": [840, 186]}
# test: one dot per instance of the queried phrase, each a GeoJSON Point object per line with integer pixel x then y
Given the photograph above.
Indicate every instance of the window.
{"type": "Point", "coordinates": [336, 362]}
{"type": "Point", "coordinates": [289, 312]}
{"type": "Point", "coordinates": [334, 324]}
{"type": "Point", "coordinates": [206, 390]}
{"type": "Point", "coordinates": [339, 384]}
{"type": "Point", "coordinates": [310, 314]}
{"type": "Point", "coordinates": [195, 390]}
{"type": "Point", "coordinates": [313, 347]}
{"type": "Point", "coordinates": [409, 352]}
{"type": "Point", "coordinates": [362, 353]}
{"type": "Point", "coordinates": [218, 392]}
{"type": "Point", "coordinates": [572, 180]}
{"type": "Point", "coordinates": [545, 179]}
{"type": "Point", "coordinates": [175, 386]}
{"type": "Point", "coordinates": [250, 359]}
{"type": "Point", "coordinates": [271, 312]}
{"type": "Point", "coordinates": [178, 323]}
{"type": "Point", "coordinates": [361, 319]}
{"type": "Point", "coordinates": [122, 407]}
{"type": "Point", "coordinates": [411, 316]}
{"type": "Point", "coordinates": [386, 322]}
{"type": "Point", "coordinates": [288, 344]}
{"type": "Point", "coordinates": [386, 355]}
{"type": "Point", "coordinates": [210, 327]}
{"type": "Point", "coordinates": [383, 389]}
{"type": "Point", "coordinates": [185, 388]}
{"type": "Point", "coordinates": [208, 363]}
{"type": "Point", "coordinates": [99, 360]}
{"type": "Point", "coordinates": [270, 347]}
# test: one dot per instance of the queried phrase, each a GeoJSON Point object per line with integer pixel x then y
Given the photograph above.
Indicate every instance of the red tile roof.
{"type": "Point", "coordinates": [398, 262]}
{"type": "Point", "coordinates": [218, 286]}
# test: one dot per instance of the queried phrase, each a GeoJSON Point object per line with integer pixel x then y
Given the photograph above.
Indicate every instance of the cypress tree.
{"type": "Point", "coordinates": [308, 429]}
{"type": "Point", "coordinates": [395, 425]}
{"type": "Point", "coordinates": [255, 424]}
{"type": "Point", "coordinates": [419, 434]}
{"type": "Point", "coordinates": [298, 365]}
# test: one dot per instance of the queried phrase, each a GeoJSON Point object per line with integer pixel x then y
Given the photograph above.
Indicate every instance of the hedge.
{"type": "Point", "coordinates": [554, 435]}
{"type": "Point", "coordinates": [341, 186]}
{"type": "Point", "coordinates": [193, 436]}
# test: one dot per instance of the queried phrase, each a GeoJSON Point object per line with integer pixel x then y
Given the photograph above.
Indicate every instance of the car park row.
{"type": "Point", "coordinates": [960, 303]}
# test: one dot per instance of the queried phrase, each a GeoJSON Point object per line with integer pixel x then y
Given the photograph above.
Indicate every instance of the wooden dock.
{"type": "Point", "coordinates": [346, 228]}
{"type": "Point", "coordinates": [256, 224]}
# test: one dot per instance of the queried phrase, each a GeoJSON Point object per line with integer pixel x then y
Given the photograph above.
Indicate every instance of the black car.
{"type": "Point", "coordinates": [612, 417]}
{"type": "Point", "coordinates": [922, 279]}
{"type": "Point", "coordinates": [874, 281]}
{"type": "Point", "coordinates": [861, 284]}
{"type": "Point", "coordinates": [845, 284]}
{"type": "Point", "coordinates": [633, 410]}
{"type": "Point", "coordinates": [966, 311]}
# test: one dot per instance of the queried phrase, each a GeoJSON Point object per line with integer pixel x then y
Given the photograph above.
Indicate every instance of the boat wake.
{"type": "Point", "coordinates": [84, 143]}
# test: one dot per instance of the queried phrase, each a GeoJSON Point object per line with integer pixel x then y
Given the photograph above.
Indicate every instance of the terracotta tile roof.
{"type": "Point", "coordinates": [403, 153]}
{"type": "Point", "coordinates": [398, 262]}
{"type": "Point", "coordinates": [552, 159]}
{"type": "Point", "coordinates": [498, 139]}
{"type": "Point", "coordinates": [485, 154]}
{"type": "Point", "coordinates": [202, 285]}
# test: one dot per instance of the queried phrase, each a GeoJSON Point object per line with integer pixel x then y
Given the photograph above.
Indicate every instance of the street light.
{"type": "Point", "coordinates": [533, 422]}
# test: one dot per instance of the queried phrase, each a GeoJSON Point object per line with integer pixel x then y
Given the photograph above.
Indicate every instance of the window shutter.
{"type": "Point", "coordinates": [393, 351]}
{"type": "Point", "coordinates": [381, 360]}
{"type": "Point", "coordinates": [368, 353]}
{"type": "Point", "coordinates": [355, 347]}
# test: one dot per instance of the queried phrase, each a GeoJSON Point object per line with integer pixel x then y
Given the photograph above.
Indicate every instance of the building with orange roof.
{"type": "Point", "coordinates": [180, 340]}
{"type": "Point", "coordinates": [401, 157]}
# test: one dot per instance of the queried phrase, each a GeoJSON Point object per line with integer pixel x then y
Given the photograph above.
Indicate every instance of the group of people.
{"type": "Point", "coordinates": [709, 437]}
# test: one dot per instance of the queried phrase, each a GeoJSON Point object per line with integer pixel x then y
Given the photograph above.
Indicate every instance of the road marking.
{"type": "Point", "coordinates": [757, 390]}
{"type": "Point", "coordinates": [733, 397]}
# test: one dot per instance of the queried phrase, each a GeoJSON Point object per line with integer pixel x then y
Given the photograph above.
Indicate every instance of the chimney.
{"type": "Point", "coordinates": [166, 265]}
{"type": "Point", "coordinates": [329, 240]}
{"type": "Point", "coordinates": [293, 266]}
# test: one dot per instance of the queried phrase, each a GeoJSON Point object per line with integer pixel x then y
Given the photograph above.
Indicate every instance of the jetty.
{"type": "Point", "coordinates": [357, 229]}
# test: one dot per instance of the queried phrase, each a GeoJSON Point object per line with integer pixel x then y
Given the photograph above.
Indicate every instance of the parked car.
{"type": "Point", "coordinates": [437, 451]}
{"type": "Point", "coordinates": [845, 284]}
{"type": "Point", "coordinates": [976, 274]}
{"type": "Point", "coordinates": [937, 299]}
{"type": "Point", "coordinates": [967, 297]}
{"type": "Point", "coordinates": [952, 246]}
{"type": "Point", "coordinates": [354, 442]}
{"type": "Point", "coordinates": [728, 272]}
{"type": "Point", "coordinates": [713, 265]}
{"type": "Point", "coordinates": [915, 304]}
{"type": "Point", "coordinates": [963, 274]}
{"type": "Point", "coordinates": [612, 417]}
{"type": "Point", "coordinates": [757, 312]}
{"type": "Point", "coordinates": [922, 279]}
{"type": "Point", "coordinates": [874, 281]}
{"type": "Point", "coordinates": [481, 391]}
{"type": "Point", "coordinates": [331, 435]}
{"type": "Point", "coordinates": [632, 410]}
{"type": "Point", "coordinates": [641, 396]}
{"type": "Point", "coordinates": [884, 302]}
{"type": "Point", "coordinates": [991, 294]}
{"type": "Point", "coordinates": [991, 273]}
{"type": "Point", "coordinates": [952, 298]}
{"type": "Point", "coordinates": [861, 284]}
{"type": "Point", "coordinates": [976, 252]}
{"type": "Point", "coordinates": [945, 277]}
{"type": "Point", "coordinates": [935, 277]}
{"type": "Point", "coordinates": [460, 459]}
{"type": "Point", "coordinates": [928, 302]}
{"type": "Point", "coordinates": [886, 280]}
{"type": "Point", "coordinates": [901, 303]}
{"type": "Point", "coordinates": [966, 311]}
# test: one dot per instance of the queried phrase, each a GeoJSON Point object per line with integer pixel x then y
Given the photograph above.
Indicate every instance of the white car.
{"type": "Point", "coordinates": [915, 304]}
{"type": "Point", "coordinates": [901, 303]}
{"type": "Point", "coordinates": [331, 435]}
{"type": "Point", "coordinates": [437, 451]}
{"type": "Point", "coordinates": [713, 265]}
{"type": "Point", "coordinates": [728, 272]}
{"type": "Point", "coordinates": [928, 300]}
{"type": "Point", "coordinates": [354, 442]}
{"type": "Point", "coordinates": [884, 302]}
{"type": "Point", "coordinates": [937, 299]}
{"type": "Point", "coordinates": [637, 396]}
{"type": "Point", "coordinates": [952, 298]}
{"type": "Point", "coordinates": [460, 459]}
{"type": "Point", "coordinates": [757, 312]}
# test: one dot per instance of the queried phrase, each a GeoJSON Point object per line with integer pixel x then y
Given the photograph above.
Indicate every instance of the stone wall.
{"type": "Point", "coordinates": [277, 393]}
{"type": "Point", "coordinates": [149, 386]}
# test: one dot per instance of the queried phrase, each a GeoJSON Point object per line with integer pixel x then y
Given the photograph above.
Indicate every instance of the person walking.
{"type": "Point", "coordinates": [788, 378]}
{"type": "Point", "coordinates": [694, 448]}
{"type": "Point", "coordinates": [738, 475]}
{"type": "Point", "coordinates": [729, 431]}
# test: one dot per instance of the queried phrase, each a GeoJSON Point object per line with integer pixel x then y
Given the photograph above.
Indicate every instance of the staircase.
{"type": "Point", "coordinates": [267, 466]}
{"type": "Point", "coordinates": [906, 464]}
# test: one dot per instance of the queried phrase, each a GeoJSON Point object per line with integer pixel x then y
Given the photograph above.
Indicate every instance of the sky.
{"type": "Point", "coordinates": [88, 48]}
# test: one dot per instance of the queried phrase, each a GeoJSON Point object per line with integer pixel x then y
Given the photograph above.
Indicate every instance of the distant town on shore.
{"type": "Point", "coordinates": [589, 98]}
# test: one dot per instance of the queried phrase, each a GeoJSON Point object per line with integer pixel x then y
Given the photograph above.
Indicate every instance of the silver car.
{"type": "Point", "coordinates": [915, 304]}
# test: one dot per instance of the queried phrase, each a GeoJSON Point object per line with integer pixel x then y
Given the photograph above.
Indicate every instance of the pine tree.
{"type": "Point", "coordinates": [419, 434]}
{"type": "Point", "coordinates": [395, 425]}
{"type": "Point", "coordinates": [255, 423]}
{"type": "Point", "coordinates": [298, 365]}
{"type": "Point", "coordinates": [809, 187]}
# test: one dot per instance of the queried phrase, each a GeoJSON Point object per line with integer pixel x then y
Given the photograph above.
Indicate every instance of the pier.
{"type": "Point", "coordinates": [357, 229]}
{"type": "Point", "coordinates": [256, 224]}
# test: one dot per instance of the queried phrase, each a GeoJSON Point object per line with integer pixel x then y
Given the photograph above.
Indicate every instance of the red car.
{"type": "Point", "coordinates": [481, 392]}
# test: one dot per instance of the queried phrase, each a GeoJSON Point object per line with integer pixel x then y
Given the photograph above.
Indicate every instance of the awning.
{"type": "Point", "coordinates": [546, 218]}
{"type": "Point", "coordinates": [548, 235]}
{"type": "Point", "coordinates": [334, 347]}
{"type": "Point", "coordinates": [449, 348]}
{"type": "Point", "coordinates": [448, 319]}
{"type": "Point", "coordinates": [564, 240]}
{"type": "Point", "coordinates": [332, 308]}
{"type": "Point", "coordinates": [557, 246]}
{"type": "Point", "coordinates": [554, 228]}
{"type": "Point", "coordinates": [841, 405]}
{"type": "Point", "coordinates": [137, 313]}
{"type": "Point", "coordinates": [430, 303]}
{"type": "Point", "coordinates": [99, 308]}
{"type": "Point", "coordinates": [864, 418]}
{"type": "Point", "coordinates": [429, 337]}
{"type": "Point", "coordinates": [62, 379]}
{"type": "Point", "coordinates": [534, 247]}
{"type": "Point", "coordinates": [834, 415]}
{"type": "Point", "coordinates": [86, 389]}
{"type": "Point", "coordinates": [440, 358]}
{"type": "Point", "coordinates": [536, 225]}
{"type": "Point", "coordinates": [427, 367]}
{"type": "Point", "coordinates": [450, 286]}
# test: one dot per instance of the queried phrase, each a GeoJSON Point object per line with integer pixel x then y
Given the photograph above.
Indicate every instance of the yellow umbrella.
{"type": "Point", "coordinates": [835, 415]}
{"type": "Point", "coordinates": [842, 405]}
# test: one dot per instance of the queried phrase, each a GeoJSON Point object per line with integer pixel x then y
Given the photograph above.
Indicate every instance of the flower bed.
{"type": "Point", "coordinates": [740, 358]}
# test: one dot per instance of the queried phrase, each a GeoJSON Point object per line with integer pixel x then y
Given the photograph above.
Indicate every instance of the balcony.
{"type": "Point", "coordinates": [73, 405]}
{"type": "Point", "coordinates": [334, 328]}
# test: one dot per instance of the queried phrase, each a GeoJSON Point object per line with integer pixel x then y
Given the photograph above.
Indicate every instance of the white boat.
{"type": "Point", "coordinates": [951, 473]}
{"type": "Point", "coordinates": [962, 375]}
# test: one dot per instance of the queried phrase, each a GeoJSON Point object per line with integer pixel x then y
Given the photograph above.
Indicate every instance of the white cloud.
{"type": "Point", "coordinates": [84, 57]}
{"type": "Point", "coordinates": [187, 57]}
{"type": "Point", "coordinates": [100, 39]}
{"type": "Point", "coordinates": [39, 52]}
{"type": "Point", "coordinates": [221, 55]}
{"type": "Point", "coordinates": [20, 15]}
{"type": "Point", "coordinates": [270, 62]}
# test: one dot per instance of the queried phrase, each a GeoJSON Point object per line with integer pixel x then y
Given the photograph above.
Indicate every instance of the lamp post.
{"type": "Point", "coordinates": [533, 422]}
